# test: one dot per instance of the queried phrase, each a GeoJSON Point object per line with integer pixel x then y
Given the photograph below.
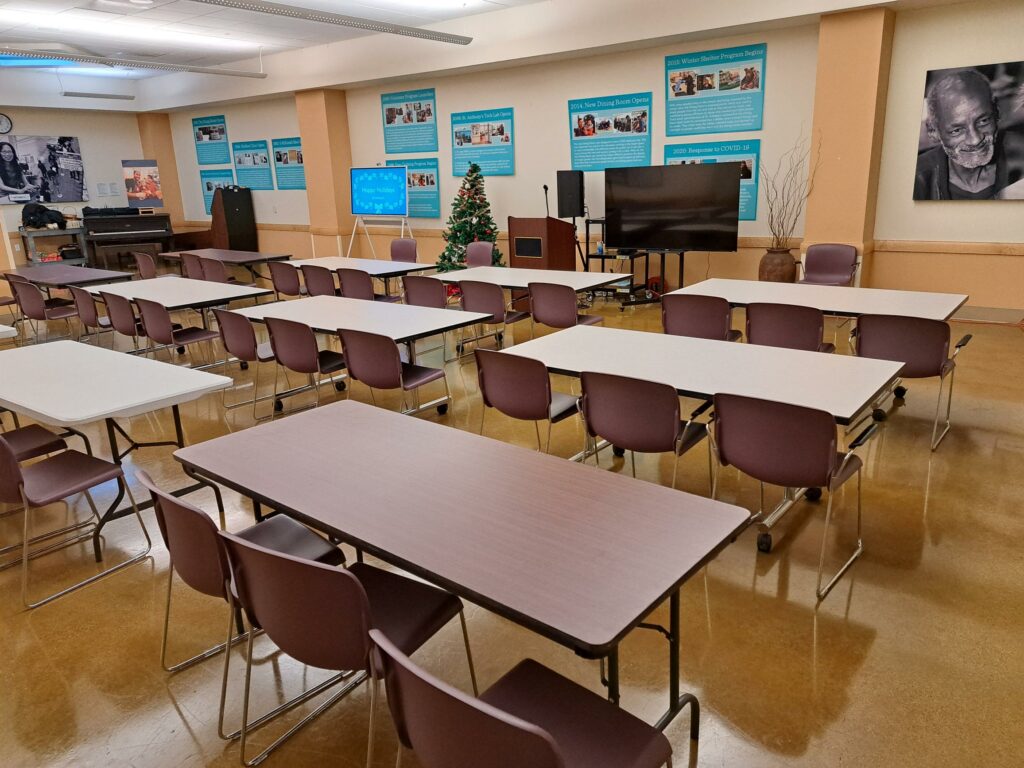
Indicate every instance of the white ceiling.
{"type": "Point", "coordinates": [184, 32]}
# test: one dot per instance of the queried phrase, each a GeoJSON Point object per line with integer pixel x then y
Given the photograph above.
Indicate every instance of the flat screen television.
{"type": "Point", "coordinates": [380, 191]}
{"type": "Point", "coordinates": [673, 207]}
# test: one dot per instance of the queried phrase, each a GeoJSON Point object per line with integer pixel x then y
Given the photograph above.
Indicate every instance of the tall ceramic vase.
{"type": "Point", "coordinates": [777, 266]}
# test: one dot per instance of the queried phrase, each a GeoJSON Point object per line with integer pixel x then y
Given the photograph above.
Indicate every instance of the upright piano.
{"type": "Point", "coordinates": [117, 236]}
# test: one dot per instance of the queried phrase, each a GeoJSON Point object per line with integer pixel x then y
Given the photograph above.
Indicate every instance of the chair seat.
{"type": "Point", "coordinates": [61, 312]}
{"type": "Point", "coordinates": [193, 335]}
{"type": "Point", "coordinates": [589, 319]}
{"type": "Point", "coordinates": [734, 335]}
{"type": "Point", "coordinates": [693, 433]}
{"type": "Point", "coordinates": [32, 441]}
{"type": "Point", "coordinates": [103, 321]}
{"type": "Point", "coordinates": [414, 376]}
{"type": "Point", "coordinates": [514, 316]}
{"type": "Point", "coordinates": [409, 612]}
{"type": "Point", "coordinates": [57, 302]}
{"type": "Point", "coordinates": [65, 474]}
{"type": "Point", "coordinates": [6, 301]}
{"type": "Point", "coordinates": [841, 281]}
{"type": "Point", "coordinates": [330, 361]}
{"type": "Point", "coordinates": [852, 466]}
{"type": "Point", "coordinates": [590, 731]}
{"type": "Point", "coordinates": [386, 298]}
{"type": "Point", "coordinates": [562, 406]}
{"type": "Point", "coordinates": [264, 352]}
{"type": "Point", "coordinates": [827, 347]}
{"type": "Point", "coordinates": [283, 534]}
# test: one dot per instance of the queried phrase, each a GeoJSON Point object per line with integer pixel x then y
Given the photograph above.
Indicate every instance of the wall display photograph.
{"type": "Point", "coordinates": [421, 181]}
{"type": "Point", "coordinates": [289, 166]}
{"type": "Point", "coordinates": [485, 137]}
{"type": "Point", "coordinates": [746, 153]}
{"type": "Point", "coordinates": [380, 191]}
{"type": "Point", "coordinates": [214, 179]}
{"type": "Point", "coordinates": [717, 91]}
{"type": "Point", "coordinates": [211, 137]}
{"type": "Point", "coordinates": [971, 143]}
{"type": "Point", "coordinates": [410, 121]}
{"type": "Point", "coordinates": [252, 164]}
{"type": "Point", "coordinates": [142, 183]}
{"type": "Point", "coordinates": [610, 131]}
{"type": "Point", "coordinates": [41, 169]}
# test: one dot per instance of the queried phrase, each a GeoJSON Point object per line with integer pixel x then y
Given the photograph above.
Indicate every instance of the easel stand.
{"type": "Point", "coordinates": [377, 222]}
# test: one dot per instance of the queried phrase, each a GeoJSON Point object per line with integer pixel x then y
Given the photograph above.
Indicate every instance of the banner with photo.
{"type": "Point", "coordinates": [485, 137]}
{"type": "Point", "coordinates": [746, 153]}
{"type": "Point", "coordinates": [410, 121]}
{"type": "Point", "coordinates": [288, 163]}
{"type": "Point", "coordinates": [610, 131]}
{"type": "Point", "coordinates": [252, 164]}
{"type": "Point", "coordinates": [41, 169]}
{"type": "Point", "coordinates": [212, 180]}
{"type": "Point", "coordinates": [142, 183]}
{"type": "Point", "coordinates": [971, 145]}
{"type": "Point", "coordinates": [718, 91]}
{"type": "Point", "coordinates": [211, 135]}
{"type": "Point", "coordinates": [422, 175]}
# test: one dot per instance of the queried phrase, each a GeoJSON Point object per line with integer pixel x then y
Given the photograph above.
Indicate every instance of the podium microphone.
{"type": "Point", "coordinates": [547, 207]}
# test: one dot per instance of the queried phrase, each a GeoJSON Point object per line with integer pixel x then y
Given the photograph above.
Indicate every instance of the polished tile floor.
{"type": "Point", "coordinates": [915, 659]}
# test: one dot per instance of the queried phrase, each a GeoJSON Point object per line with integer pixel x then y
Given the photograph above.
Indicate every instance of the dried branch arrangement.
{"type": "Point", "coordinates": [786, 189]}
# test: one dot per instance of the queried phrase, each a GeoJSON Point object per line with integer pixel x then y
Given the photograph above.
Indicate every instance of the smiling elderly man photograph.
{"type": "Point", "coordinates": [972, 158]}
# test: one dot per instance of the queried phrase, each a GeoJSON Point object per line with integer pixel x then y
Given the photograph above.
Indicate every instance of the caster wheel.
{"type": "Point", "coordinates": [812, 494]}
{"type": "Point", "coordinates": [278, 406]}
{"type": "Point", "coordinates": [899, 393]}
{"type": "Point", "coordinates": [339, 386]}
{"type": "Point", "coordinates": [458, 349]}
{"type": "Point", "coordinates": [620, 452]}
{"type": "Point", "coordinates": [180, 350]}
{"type": "Point", "coordinates": [442, 409]}
{"type": "Point", "coordinates": [764, 542]}
{"type": "Point", "coordinates": [879, 415]}
{"type": "Point", "coordinates": [501, 337]}
{"type": "Point", "coordinates": [243, 365]}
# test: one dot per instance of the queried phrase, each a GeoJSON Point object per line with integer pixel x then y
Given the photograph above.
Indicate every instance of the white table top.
{"type": "Point", "coordinates": [519, 279]}
{"type": "Point", "coordinates": [375, 267]}
{"type": "Point", "coordinates": [833, 300]}
{"type": "Point", "coordinates": [180, 292]}
{"type": "Point", "coordinates": [6, 332]}
{"type": "Point", "coordinates": [65, 383]}
{"type": "Point", "coordinates": [399, 321]}
{"type": "Point", "coordinates": [837, 384]}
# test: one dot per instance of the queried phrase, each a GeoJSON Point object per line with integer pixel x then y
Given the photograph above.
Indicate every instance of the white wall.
{"type": "Point", "coordinates": [938, 38]}
{"type": "Point", "coordinates": [540, 92]}
{"type": "Point", "coordinates": [269, 119]}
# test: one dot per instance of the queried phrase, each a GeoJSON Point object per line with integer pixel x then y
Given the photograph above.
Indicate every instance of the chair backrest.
{"type": "Point", "coordinates": [483, 297]}
{"type": "Point", "coordinates": [197, 553]}
{"type": "Point", "coordinates": [214, 270]}
{"type": "Point", "coordinates": [122, 316]}
{"type": "Point", "coordinates": [830, 264]}
{"type": "Point", "coordinates": [449, 729]}
{"type": "Point", "coordinates": [785, 325]}
{"type": "Point", "coordinates": [145, 263]}
{"type": "Point", "coordinates": [519, 387]}
{"type": "Point", "coordinates": [777, 443]}
{"type": "Point", "coordinates": [156, 320]}
{"type": "Point", "coordinates": [317, 614]}
{"type": "Point", "coordinates": [372, 358]}
{"type": "Point", "coordinates": [294, 345]}
{"type": "Point", "coordinates": [13, 278]}
{"type": "Point", "coordinates": [10, 474]}
{"type": "Point", "coordinates": [631, 413]}
{"type": "Point", "coordinates": [553, 305]}
{"type": "Point", "coordinates": [701, 317]}
{"type": "Point", "coordinates": [285, 278]}
{"type": "Point", "coordinates": [922, 345]}
{"type": "Point", "coordinates": [319, 280]}
{"type": "Point", "coordinates": [192, 266]}
{"type": "Point", "coordinates": [355, 284]}
{"type": "Point", "coordinates": [30, 300]}
{"type": "Point", "coordinates": [422, 291]}
{"type": "Point", "coordinates": [237, 334]}
{"type": "Point", "coordinates": [480, 253]}
{"type": "Point", "coordinates": [403, 249]}
{"type": "Point", "coordinates": [85, 304]}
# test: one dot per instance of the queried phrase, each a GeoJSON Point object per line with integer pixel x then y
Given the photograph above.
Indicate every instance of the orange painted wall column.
{"type": "Point", "coordinates": [327, 156]}
{"type": "Point", "coordinates": [155, 135]}
{"type": "Point", "coordinates": [854, 53]}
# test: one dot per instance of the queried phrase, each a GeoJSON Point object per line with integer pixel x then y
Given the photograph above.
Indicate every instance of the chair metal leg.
{"type": "Point", "coordinates": [938, 410]}
{"type": "Point", "coordinates": [374, 685]}
{"type": "Point", "coordinates": [483, 412]}
{"type": "Point", "coordinates": [675, 469]}
{"type": "Point", "coordinates": [536, 429]}
{"type": "Point", "coordinates": [547, 445]}
{"type": "Point", "coordinates": [822, 593]}
{"type": "Point", "coordinates": [232, 639]}
{"type": "Point", "coordinates": [632, 462]}
{"type": "Point", "coordinates": [398, 760]}
{"type": "Point", "coordinates": [469, 652]}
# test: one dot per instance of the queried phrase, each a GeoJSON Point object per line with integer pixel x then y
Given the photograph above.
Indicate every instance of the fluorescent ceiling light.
{"type": "Point", "coordinates": [46, 59]}
{"type": "Point", "coordinates": [338, 19]}
{"type": "Point", "coordinates": [90, 95]}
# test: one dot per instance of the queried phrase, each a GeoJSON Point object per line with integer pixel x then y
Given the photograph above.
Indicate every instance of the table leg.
{"type": "Point", "coordinates": [677, 702]}
{"type": "Point", "coordinates": [613, 676]}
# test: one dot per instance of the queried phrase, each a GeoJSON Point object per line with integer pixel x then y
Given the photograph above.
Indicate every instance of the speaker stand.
{"type": "Point", "coordinates": [579, 248]}
{"type": "Point", "coordinates": [376, 222]}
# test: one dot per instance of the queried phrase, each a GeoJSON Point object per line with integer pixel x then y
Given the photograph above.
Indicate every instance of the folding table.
{"type": "Point", "coordinates": [516, 278]}
{"type": "Point", "coordinates": [382, 269]}
{"type": "Point", "coordinates": [6, 332]}
{"type": "Point", "coordinates": [248, 259]}
{"type": "Point", "coordinates": [181, 293]}
{"type": "Point", "coordinates": [49, 276]}
{"type": "Point", "coordinates": [539, 558]}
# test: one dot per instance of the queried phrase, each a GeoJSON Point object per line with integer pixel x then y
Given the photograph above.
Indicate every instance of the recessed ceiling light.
{"type": "Point", "coordinates": [141, 2]}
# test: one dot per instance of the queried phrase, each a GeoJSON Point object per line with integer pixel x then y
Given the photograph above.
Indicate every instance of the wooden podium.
{"type": "Point", "coordinates": [546, 243]}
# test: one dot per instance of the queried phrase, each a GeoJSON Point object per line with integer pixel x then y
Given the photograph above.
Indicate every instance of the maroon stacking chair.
{"type": "Point", "coordinates": [92, 321]}
{"type": "Point", "coordinates": [356, 284]}
{"type": "Point", "coordinates": [699, 317]}
{"type": "Point", "coordinates": [295, 349]}
{"type": "Point", "coordinates": [480, 253]}
{"type": "Point", "coordinates": [532, 717]}
{"type": "Point", "coordinates": [638, 415]}
{"type": "Point", "coordinates": [192, 266]}
{"type": "Point", "coordinates": [375, 360]}
{"type": "Point", "coordinates": [321, 616]}
{"type": "Point", "coordinates": [50, 302]}
{"type": "Point", "coordinates": [35, 308]}
{"type": "Point", "coordinates": [490, 300]}
{"type": "Point", "coordinates": [285, 279]}
{"type": "Point", "coordinates": [160, 329]}
{"type": "Point", "coordinates": [31, 441]}
{"type": "Point", "coordinates": [214, 271]}
{"type": "Point", "coordinates": [829, 264]}
{"type": "Point", "coordinates": [422, 291]}
{"type": "Point", "coordinates": [319, 281]}
{"type": "Point", "coordinates": [792, 446]}
{"type": "Point", "coordinates": [556, 306]}
{"type": "Point", "coordinates": [403, 249]}
{"type": "Point", "coordinates": [122, 317]}
{"type": "Point", "coordinates": [787, 325]}
{"type": "Point", "coordinates": [239, 340]}
{"type": "Point", "coordinates": [520, 387]}
{"type": "Point", "coordinates": [146, 265]}
{"type": "Point", "coordinates": [922, 345]}
{"type": "Point", "coordinates": [54, 479]}
{"type": "Point", "coordinates": [12, 306]}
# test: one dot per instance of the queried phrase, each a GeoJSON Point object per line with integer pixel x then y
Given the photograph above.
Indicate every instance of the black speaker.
{"type": "Point", "coordinates": [570, 194]}
{"type": "Point", "coordinates": [240, 218]}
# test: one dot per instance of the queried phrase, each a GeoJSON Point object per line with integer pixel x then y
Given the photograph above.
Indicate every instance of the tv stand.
{"type": "Point", "coordinates": [635, 294]}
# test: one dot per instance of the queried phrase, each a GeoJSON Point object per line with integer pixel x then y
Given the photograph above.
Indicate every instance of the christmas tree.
{"type": "Point", "coordinates": [470, 221]}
